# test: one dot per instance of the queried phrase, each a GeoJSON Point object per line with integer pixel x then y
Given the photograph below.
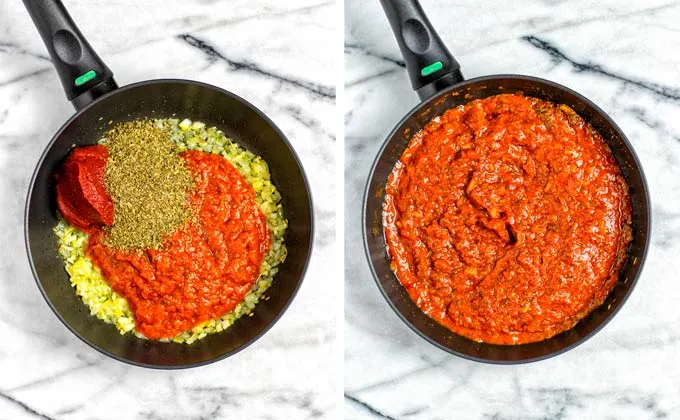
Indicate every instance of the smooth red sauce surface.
{"type": "Point", "coordinates": [82, 198]}
{"type": "Point", "coordinates": [507, 220]}
{"type": "Point", "coordinates": [206, 268]}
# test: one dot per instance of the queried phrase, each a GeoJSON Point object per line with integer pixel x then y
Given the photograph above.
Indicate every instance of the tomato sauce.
{"type": "Point", "coordinates": [203, 270]}
{"type": "Point", "coordinates": [82, 198]}
{"type": "Point", "coordinates": [507, 220]}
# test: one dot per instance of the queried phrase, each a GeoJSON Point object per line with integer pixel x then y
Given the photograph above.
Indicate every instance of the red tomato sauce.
{"type": "Point", "coordinates": [82, 198]}
{"type": "Point", "coordinates": [203, 270]}
{"type": "Point", "coordinates": [507, 220]}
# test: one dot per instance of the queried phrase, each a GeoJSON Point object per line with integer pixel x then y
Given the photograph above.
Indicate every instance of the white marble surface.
{"type": "Point", "coordinates": [273, 53]}
{"type": "Point", "coordinates": [624, 56]}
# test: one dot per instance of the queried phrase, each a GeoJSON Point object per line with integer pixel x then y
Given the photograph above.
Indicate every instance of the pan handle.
{"type": "Point", "coordinates": [430, 65]}
{"type": "Point", "coordinates": [83, 74]}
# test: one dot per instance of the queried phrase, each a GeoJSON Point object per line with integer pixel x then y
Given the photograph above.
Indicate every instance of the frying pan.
{"type": "Point", "coordinates": [436, 77]}
{"type": "Point", "coordinates": [90, 87]}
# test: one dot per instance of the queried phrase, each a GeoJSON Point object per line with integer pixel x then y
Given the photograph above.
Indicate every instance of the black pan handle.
{"type": "Point", "coordinates": [430, 65]}
{"type": "Point", "coordinates": [83, 74]}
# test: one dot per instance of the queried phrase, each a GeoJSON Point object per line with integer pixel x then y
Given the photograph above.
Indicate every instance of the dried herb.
{"type": "Point", "coordinates": [148, 182]}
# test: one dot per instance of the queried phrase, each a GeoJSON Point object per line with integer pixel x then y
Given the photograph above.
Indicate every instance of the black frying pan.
{"type": "Point", "coordinates": [436, 77]}
{"type": "Point", "coordinates": [89, 85]}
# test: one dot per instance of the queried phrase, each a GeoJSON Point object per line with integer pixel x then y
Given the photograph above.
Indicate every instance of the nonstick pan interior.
{"type": "Point", "coordinates": [182, 99]}
{"type": "Point", "coordinates": [374, 235]}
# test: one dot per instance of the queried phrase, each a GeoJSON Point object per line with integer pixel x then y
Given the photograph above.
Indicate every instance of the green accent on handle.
{"type": "Point", "coordinates": [432, 68]}
{"type": "Point", "coordinates": [84, 78]}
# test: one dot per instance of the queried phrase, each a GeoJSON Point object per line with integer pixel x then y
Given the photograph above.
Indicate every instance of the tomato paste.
{"type": "Point", "coordinates": [206, 267]}
{"type": "Point", "coordinates": [507, 220]}
{"type": "Point", "coordinates": [82, 198]}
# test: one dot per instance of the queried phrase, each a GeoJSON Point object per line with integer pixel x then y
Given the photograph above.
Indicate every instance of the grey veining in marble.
{"type": "Point", "coordinates": [624, 56]}
{"type": "Point", "coordinates": [272, 53]}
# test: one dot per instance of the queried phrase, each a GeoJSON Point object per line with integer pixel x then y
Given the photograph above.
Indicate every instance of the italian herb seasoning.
{"type": "Point", "coordinates": [149, 185]}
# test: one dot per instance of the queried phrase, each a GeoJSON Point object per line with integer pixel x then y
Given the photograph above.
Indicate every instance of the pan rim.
{"type": "Point", "coordinates": [365, 233]}
{"type": "Point", "coordinates": [283, 138]}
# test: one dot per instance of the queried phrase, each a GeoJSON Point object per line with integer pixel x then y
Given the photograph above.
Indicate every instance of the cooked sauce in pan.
{"type": "Point", "coordinates": [507, 219]}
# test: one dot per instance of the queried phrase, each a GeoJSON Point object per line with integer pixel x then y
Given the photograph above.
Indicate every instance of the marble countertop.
{"type": "Point", "coordinates": [623, 56]}
{"type": "Point", "coordinates": [272, 53]}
